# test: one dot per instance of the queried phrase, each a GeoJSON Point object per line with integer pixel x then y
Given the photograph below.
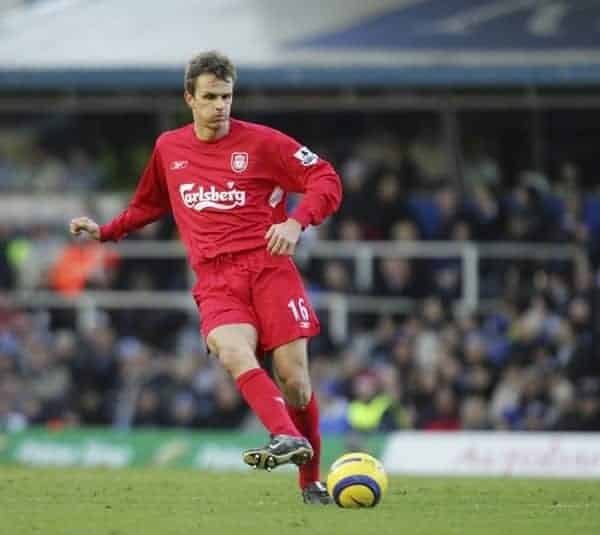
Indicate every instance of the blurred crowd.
{"type": "Point", "coordinates": [59, 377]}
{"type": "Point", "coordinates": [529, 367]}
{"type": "Point", "coordinates": [34, 168]}
{"type": "Point", "coordinates": [529, 362]}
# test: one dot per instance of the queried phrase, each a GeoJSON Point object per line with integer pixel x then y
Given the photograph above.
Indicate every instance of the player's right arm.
{"type": "Point", "coordinates": [149, 203]}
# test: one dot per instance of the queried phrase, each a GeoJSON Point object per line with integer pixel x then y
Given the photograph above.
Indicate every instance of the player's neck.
{"type": "Point", "coordinates": [204, 133]}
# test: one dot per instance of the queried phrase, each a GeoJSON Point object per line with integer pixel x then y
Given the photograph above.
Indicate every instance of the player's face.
{"type": "Point", "coordinates": [211, 101]}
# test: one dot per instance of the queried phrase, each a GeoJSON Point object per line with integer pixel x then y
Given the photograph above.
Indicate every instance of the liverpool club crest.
{"type": "Point", "coordinates": [239, 161]}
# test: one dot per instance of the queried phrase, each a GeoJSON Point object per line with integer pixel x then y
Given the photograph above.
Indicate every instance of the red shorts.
{"type": "Point", "coordinates": [257, 288]}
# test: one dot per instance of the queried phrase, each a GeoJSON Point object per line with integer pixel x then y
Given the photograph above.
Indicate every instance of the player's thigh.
{"type": "Point", "coordinates": [235, 334]}
{"type": "Point", "coordinates": [281, 305]}
{"type": "Point", "coordinates": [235, 346]}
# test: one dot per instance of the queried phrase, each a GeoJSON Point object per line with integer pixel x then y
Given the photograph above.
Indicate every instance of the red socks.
{"type": "Point", "coordinates": [306, 420]}
{"type": "Point", "coordinates": [267, 402]}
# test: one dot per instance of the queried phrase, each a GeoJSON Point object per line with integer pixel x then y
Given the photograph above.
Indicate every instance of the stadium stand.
{"type": "Point", "coordinates": [526, 361]}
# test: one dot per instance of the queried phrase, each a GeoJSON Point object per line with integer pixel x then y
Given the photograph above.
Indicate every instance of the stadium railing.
{"type": "Point", "coordinates": [338, 306]}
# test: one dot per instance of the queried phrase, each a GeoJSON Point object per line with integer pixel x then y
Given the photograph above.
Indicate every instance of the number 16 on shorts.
{"type": "Point", "coordinates": [300, 312]}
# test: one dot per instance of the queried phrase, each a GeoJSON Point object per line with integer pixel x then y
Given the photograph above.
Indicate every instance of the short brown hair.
{"type": "Point", "coordinates": [211, 62]}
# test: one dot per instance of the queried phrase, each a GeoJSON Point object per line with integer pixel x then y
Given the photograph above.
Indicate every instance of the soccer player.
{"type": "Point", "coordinates": [225, 182]}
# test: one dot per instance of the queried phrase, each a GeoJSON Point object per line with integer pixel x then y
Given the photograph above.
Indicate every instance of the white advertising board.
{"type": "Point", "coordinates": [568, 455]}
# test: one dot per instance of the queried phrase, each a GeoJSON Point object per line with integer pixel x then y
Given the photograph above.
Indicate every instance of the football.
{"type": "Point", "coordinates": [357, 480]}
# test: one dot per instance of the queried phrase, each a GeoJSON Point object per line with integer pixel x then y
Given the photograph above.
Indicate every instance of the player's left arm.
{"type": "Point", "coordinates": [299, 170]}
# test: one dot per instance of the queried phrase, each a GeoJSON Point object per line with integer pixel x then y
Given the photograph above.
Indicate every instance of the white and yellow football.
{"type": "Point", "coordinates": [357, 480]}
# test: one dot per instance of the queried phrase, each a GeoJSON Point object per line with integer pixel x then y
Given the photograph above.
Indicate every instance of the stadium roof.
{"type": "Point", "coordinates": [310, 43]}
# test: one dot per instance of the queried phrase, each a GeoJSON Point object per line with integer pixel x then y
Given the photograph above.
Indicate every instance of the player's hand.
{"type": "Point", "coordinates": [81, 225]}
{"type": "Point", "coordinates": [283, 237]}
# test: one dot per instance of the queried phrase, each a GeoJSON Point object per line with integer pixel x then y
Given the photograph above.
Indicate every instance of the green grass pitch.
{"type": "Point", "coordinates": [167, 501]}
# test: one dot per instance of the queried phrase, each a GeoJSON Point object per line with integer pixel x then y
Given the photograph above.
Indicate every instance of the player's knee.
{"type": "Point", "coordinates": [236, 359]}
{"type": "Point", "coordinates": [296, 390]}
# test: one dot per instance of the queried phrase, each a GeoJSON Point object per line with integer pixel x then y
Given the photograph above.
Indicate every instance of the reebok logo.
{"type": "Point", "coordinates": [203, 198]}
{"type": "Point", "coordinates": [178, 164]}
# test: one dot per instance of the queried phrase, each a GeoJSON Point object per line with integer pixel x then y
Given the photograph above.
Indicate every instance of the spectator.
{"type": "Point", "coordinates": [473, 414]}
{"type": "Point", "coordinates": [584, 413]}
{"type": "Point", "coordinates": [371, 407]}
{"type": "Point", "coordinates": [397, 277]}
{"type": "Point", "coordinates": [388, 206]}
{"type": "Point", "coordinates": [445, 415]}
{"type": "Point", "coordinates": [83, 265]}
{"type": "Point", "coordinates": [6, 269]}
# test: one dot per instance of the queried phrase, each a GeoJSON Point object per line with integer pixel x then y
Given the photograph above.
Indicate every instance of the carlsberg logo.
{"type": "Point", "coordinates": [203, 198]}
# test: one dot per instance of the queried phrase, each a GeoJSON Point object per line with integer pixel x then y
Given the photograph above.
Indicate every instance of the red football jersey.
{"type": "Point", "coordinates": [225, 194]}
